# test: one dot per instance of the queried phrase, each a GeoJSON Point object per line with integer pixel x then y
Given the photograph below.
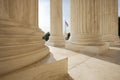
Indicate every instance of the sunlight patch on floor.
{"type": "Point", "coordinates": [84, 67]}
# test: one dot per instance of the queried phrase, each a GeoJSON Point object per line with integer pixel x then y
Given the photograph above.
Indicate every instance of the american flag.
{"type": "Point", "coordinates": [66, 23]}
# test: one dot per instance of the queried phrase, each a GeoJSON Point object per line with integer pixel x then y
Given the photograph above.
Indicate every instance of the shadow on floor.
{"type": "Point", "coordinates": [112, 55]}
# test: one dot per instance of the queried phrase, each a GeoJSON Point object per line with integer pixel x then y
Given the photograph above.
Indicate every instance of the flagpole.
{"type": "Point", "coordinates": [66, 25]}
{"type": "Point", "coordinates": [65, 29]}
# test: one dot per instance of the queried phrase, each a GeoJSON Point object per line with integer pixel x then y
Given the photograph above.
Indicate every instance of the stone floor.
{"type": "Point", "coordinates": [91, 67]}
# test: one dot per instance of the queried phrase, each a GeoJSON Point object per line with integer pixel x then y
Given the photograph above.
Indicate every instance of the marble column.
{"type": "Point", "coordinates": [56, 30]}
{"type": "Point", "coordinates": [21, 41]}
{"type": "Point", "coordinates": [23, 55]}
{"type": "Point", "coordinates": [85, 29]}
{"type": "Point", "coordinates": [109, 20]}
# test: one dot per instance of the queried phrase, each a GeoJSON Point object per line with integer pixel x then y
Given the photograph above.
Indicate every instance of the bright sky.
{"type": "Point", "coordinates": [118, 7]}
{"type": "Point", "coordinates": [44, 14]}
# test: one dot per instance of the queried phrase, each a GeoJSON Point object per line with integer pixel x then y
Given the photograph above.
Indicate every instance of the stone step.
{"type": "Point", "coordinates": [46, 69]}
{"type": "Point", "coordinates": [115, 44]}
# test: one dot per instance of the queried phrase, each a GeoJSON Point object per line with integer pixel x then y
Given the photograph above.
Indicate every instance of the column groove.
{"type": "Point", "coordinates": [109, 20]}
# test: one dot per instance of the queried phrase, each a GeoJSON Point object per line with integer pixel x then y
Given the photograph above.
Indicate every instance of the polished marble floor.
{"type": "Point", "coordinates": [90, 67]}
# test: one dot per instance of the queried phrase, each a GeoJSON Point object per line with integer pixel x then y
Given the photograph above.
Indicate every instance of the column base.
{"type": "Point", "coordinates": [110, 38]}
{"type": "Point", "coordinates": [56, 41]}
{"type": "Point", "coordinates": [113, 44]}
{"type": "Point", "coordinates": [46, 69]}
{"type": "Point", "coordinates": [97, 49]}
{"type": "Point", "coordinates": [14, 62]}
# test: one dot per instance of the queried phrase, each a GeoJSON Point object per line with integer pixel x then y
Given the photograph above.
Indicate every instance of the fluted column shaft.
{"type": "Point", "coordinates": [21, 41]}
{"type": "Point", "coordinates": [85, 29]}
{"type": "Point", "coordinates": [56, 30]}
{"type": "Point", "coordinates": [109, 20]}
{"type": "Point", "coordinates": [14, 11]}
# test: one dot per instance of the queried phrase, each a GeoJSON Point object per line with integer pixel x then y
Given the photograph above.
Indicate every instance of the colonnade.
{"type": "Point", "coordinates": [93, 22]}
